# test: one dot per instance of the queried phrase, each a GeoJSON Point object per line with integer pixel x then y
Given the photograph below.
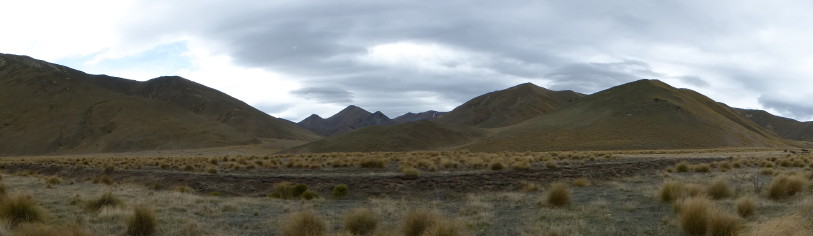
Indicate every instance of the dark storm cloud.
{"type": "Point", "coordinates": [584, 46]}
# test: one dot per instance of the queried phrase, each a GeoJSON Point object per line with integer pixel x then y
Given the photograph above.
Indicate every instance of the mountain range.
{"type": "Point", "coordinates": [47, 108]}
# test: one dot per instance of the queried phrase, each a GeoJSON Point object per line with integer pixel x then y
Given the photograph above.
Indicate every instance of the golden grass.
{"type": "Point", "coordinates": [694, 215]}
{"type": "Point", "coordinates": [581, 182]}
{"type": "Point", "coordinates": [106, 200]}
{"type": "Point", "coordinates": [719, 188]}
{"type": "Point", "coordinates": [304, 224]}
{"type": "Point", "coordinates": [20, 209]}
{"type": "Point", "coordinates": [39, 229]}
{"type": "Point", "coordinates": [143, 222]}
{"type": "Point", "coordinates": [416, 222]}
{"type": "Point", "coordinates": [361, 221]}
{"type": "Point", "coordinates": [785, 186]}
{"type": "Point", "coordinates": [792, 225]}
{"type": "Point", "coordinates": [558, 195]}
{"type": "Point", "coordinates": [746, 206]}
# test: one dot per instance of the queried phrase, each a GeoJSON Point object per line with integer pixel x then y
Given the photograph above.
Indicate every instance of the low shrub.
{"type": "Point", "coordinates": [340, 190]}
{"type": "Point", "coordinates": [682, 166]}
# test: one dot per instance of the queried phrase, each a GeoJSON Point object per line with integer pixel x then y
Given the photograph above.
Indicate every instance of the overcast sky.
{"type": "Point", "coordinates": [292, 58]}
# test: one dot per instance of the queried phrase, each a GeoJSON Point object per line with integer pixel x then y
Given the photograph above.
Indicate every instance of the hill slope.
{"type": "Point", "coordinates": [418, 135]}
{"type": "Point", "coordinates": [784, 127]}
{"type": "Point", "coordinates": [47, 108]}
{"type": "Point", "coordinates": [508, 107]}
{"type": "Point", "coordinates": [645, 114]}
{"type": "Point", "coordinates": [410, 117]}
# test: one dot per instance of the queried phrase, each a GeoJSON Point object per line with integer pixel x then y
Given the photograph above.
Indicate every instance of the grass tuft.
{"type": "Point", "coordinates": [719, 189]}
{"type": "Point", "coordinates": [340, 190]}
{"type": "Point", "coordinates": [746, 206]}
{"type": "Point", "coordinates": [21, 209]}
{"type": "Point", "coordinates": [581, 182]}
{"type": "Point", "coordinates": [142, 222]}
{"type": "Point", "coordinates": [784, 186]}
{"type": "Point", "coordinates": [304, 224]}
{"type": "Point", "coordinates": [694, 215]}
{"type": "Point", "coordinates": [558, 195]}
{"type": "Point", "coordinates": [106, 200]}
{"type": "Point", "coordinates": [416, 222]}
{"type": "Point", "coordinates": [360, 221]}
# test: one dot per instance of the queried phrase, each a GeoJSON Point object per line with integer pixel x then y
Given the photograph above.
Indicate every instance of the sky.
{"type": "Point", "coordinates": [293, 58]}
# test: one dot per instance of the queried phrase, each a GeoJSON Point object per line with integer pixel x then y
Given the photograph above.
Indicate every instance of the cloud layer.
{"type": "Point", "coordinates": [310, 56]}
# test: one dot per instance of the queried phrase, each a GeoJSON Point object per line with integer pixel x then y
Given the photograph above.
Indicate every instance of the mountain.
{"type": "Point", "coordinates": [784, 127]}
{"type": "Point", "coordinates": [508, 107]}
{"type": "Point", "coordinates": [348, 119]}
{"type": "Point", "coordinates": [418, 135]}
{"type": "Point", "coordinates": [645, 114]}
{"type": "Point", "coordinates": [48, 108]}
{"type": "Point", "coordinates": [410, 117]}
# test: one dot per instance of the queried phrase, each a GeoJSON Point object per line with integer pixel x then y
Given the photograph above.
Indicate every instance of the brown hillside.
{"type": "Point", "coordinates": [784, 127]}
{"type": "Point", "coordinates": [646, 114]}
{"type": "Point", "coordinates": [418, 135]}
{"type": "Point", "coordinates": [410, 117]}
{"type": "Point", "coordinates": [346, 120]}
{"type": "Point", "coordinates": [508, 107]}
{"type": "Point", "coordinates": [47, 108]}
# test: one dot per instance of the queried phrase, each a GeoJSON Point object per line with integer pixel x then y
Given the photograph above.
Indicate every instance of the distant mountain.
{"type": "Point", "coordinates": [48, 108]}
{"type": "Point", "coordinates": [784, 127]}
{"type": "Point", "coordinates": [348, 119]}
{"type": "Point", "coordinates": [509, 106]}
{"type": "Point", "coordinates": [418, 135]}
{"type": "Point", "coordinates": [645, 114]}
{"type": "Point", "coordinates": [410, 117]}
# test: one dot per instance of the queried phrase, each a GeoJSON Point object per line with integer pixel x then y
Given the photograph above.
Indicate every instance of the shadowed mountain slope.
{"type": "Point", "coordinates": [509, 106]}
{"type": "Point", "coordinates": [348, 119]}
{"type": "Point", "coordinates": [784, 127]}
{"type": "Point", "coordinates": [418, 135]}
{"type": "Point", "coordinates": [645, 114]}
{"type": "Point", "coordinates": [47, 108]}
{"type": "Point", "coordinates": [410, 117]}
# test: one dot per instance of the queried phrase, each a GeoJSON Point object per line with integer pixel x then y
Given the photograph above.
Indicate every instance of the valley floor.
{"type": "Point", "coordinates": [623, 193]}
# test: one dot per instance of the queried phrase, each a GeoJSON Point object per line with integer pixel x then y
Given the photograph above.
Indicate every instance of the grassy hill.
{"type": "Point", "coordinates": [784, 127]}
{"type": "Point", "coordinates": [508, 107]}
{"type": "Point", "coordinates": [645, 114]}
{"type": "Point", "coordinates": [47, 108]}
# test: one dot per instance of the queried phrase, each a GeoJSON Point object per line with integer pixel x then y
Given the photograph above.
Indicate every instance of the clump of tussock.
{"type": "Point", "coordinates": [416, 222]}
{"type": "Point", "coordinates": [528, 187]}
{"type": "Point", "coordinates": [719, 188]}
{"type": "Point", "coordinates": [340, 190]}
{"type": "Point", "coordinates": [411, 172]}
{"type": "Point", "coordinates": [785, 186]}
{"type": "Point", "coordinates": [106, 200]}
{"type": "Point", "coordinates": [746, 206]}
{"type": "Point", "coordinates": [183, 189]}
{"type": "Point", "coordinates": [445, 228]}
{"type": "Point", "coordinates": [304, 224]}
{"type": "Point", "coordinates": [558, 195]}
{"type": "Point", "coordinates": [287, 190]}
{"type": "Point", "coordinates": [682, 166]}
{"type": "Point", "coordinates": [672, 190]}
{"type": "Point", "coordinates": [39, 229]}
{"type": "Point", "coordinates": [581, 182]}
{"type": "Point", "coordinates": [142, 222]}
{"type": "Point", "coordinates": [21, 209]}
{"type": "Point", "coordinates": [791, 225]}
{"type": "Point", "coordinates": [360, 221]}
{"type": "Point", "coordinates": [551, 164]}
{"type": "Point", "coordinates": [704, 167]}
{"type": "Point", "coordinates": [699, 216]}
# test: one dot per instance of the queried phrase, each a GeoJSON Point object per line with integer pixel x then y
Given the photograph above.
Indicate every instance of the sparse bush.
{"type": "Point", "coordinates": [558, 195]}
{"type": "Point", "coordinates": [340, 190]}
{"type": "Point", "coordinates": [581, 182]}
{"type": "Point", "coordinates": [746, 206]}
{"type": "Point", "coordinates": [360, 221]}
{"type": "Point", "coordinates": [309, 195]}
{"type": "Point", "coordinates": [21, 209]}
{"type": "Point", "coordinates": [416, 222]}
{"type": "Point", "coordinates": [784, 186]}
{"type": "Point", "coordinates": [304, 224]}
{"type": "Point", "coordinates": [142, 222]}
{"type": "Point", "coordinates": [106, 200]}
{"type": "Point", "coordinates": [299, 189]}
{"type": "Point", "coordinates": [719, 189]}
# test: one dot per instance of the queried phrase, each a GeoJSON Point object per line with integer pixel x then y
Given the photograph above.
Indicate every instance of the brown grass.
{"type": "Point", "coordinates": [792, 225]}
{"type": "Point", "coordinates": [304, 224]}
{"type": "Point", "coordinates": [142, 222]}
{"type": "Point", "coordinates": [21, 209]}
{"type": "Point", "coordinates": [106, 200]}
{"type": "Point", "coordinates": [445, 228]}
{"type": "Point", "coordinates": [785, 186]}
{"type": "Point", "coordinates": [416, 222]}
{"type": "Point", "coordinates": [719, 189]}
{"type": "Point", "coordinates": [558, 195]}
{"type": "Point", "coordinates": [746, 206]}
{"type": "Point", "coordinates": [723, 224]}
{"type": "Point", "coordinates": [581, 182]}
{"type": "Point", "coordinates": [682, 167]}
{"type": "Point", "coordinates": [694, 215]}
{"type": "Point", "coordinates": [360, 221]}
{"type": "Point", "coordinates": [39, 229]}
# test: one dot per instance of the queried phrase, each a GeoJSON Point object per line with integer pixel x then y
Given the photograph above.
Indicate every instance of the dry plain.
{"type": "Point", "coordinates": [248, 190]}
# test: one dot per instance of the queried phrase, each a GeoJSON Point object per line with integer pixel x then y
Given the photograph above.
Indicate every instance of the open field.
{"type": "Point", "coordinates": [227, 191]}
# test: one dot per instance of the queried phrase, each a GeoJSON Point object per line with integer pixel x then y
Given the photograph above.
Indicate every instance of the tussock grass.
{"type": "Point", "coordinates": [304, 224]}
{"type": "Point", "coordinates": [682, 166]}
{"type": "Point", "coordinates": [719, 188]}
{"type": "Point", "coordinates": [792, 225]}
{"type": "Point", "coordinates": [361, 221]}
{"type": "Point", "coordinates": [672, 190]}
{"type": "Point", "coordinates": [558, 195]}
{"type": "Point", "coordinates": [746, 206]}
{"type": "Point", "coordinates": [416, 222]}
{"type": "Point", "coordinates": [106, 200]}
{"type": "Point", "coordinates": [699, 216]}
{"type": "Point", "coordinates": [142, 222]}
{"type": "Point", "coordinates": [445, 228]}
{"type": "Point", "coordinates": [723, 224]}
{"type": "Point", "coordinates": [581, 182]}
{"type": "Point", "coordinates": [785, 186]}
{"type": "Point", "coordinates": [703, 167]}
{"type": "Point", "coordinates": [21, 209]}
{"type": "Point", "coordinates": [340, 190]}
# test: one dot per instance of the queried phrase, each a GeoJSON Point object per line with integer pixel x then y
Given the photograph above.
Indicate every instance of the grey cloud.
{"type": "Point", "coordinates": [784, 107]}
{"type": "Point", "coordinates": [325, 94]}
{"type": "Point", "coordinates": [518, 40]}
